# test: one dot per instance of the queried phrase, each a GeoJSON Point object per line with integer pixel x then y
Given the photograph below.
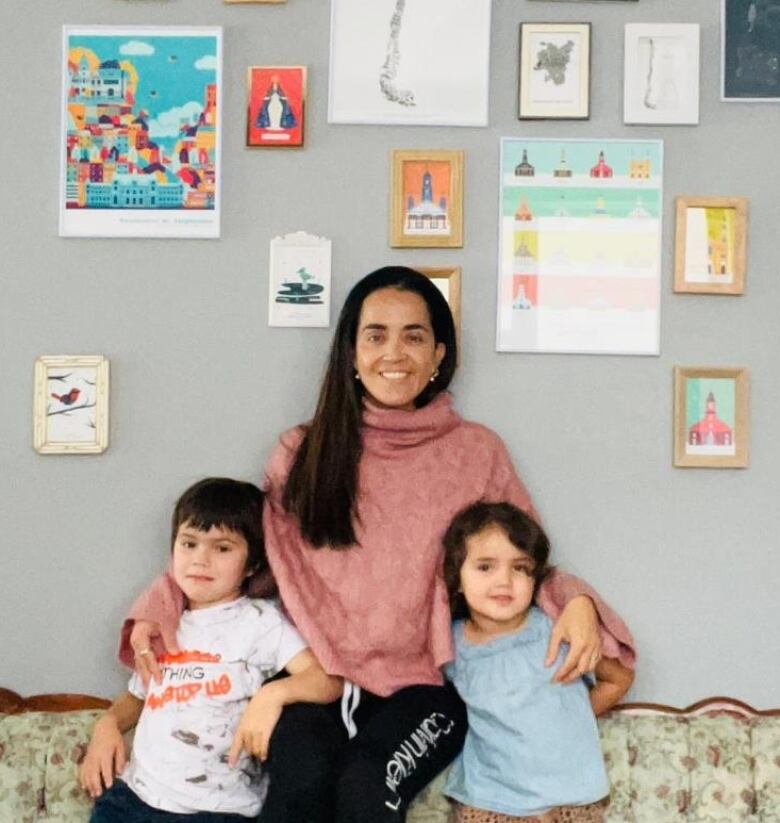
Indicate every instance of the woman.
{"type": "Point", "coordinates": [358, 501]}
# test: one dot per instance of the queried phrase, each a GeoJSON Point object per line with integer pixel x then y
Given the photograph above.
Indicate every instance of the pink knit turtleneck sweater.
{"type": "Point", "coordinates": [377, 613]}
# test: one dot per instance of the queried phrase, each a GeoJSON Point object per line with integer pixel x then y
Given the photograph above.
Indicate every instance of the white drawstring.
{"type": "Point", "coordinates": [349, 703]}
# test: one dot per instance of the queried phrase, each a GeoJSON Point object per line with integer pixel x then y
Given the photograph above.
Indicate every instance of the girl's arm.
{"type": "Point", "coordinates": [307, 683]}
{"type": "Point", "coordinates": [106, 755]}
{"type": "Point", "coordinates": [613, 680]}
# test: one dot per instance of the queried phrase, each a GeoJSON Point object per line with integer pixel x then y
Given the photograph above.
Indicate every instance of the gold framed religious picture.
{"type": "Point", "coordinates": [711, 426]}
{"type": "Point", "coordinates": [447, 281]}
{"type": "Point", "coordinates": [554, 79]}
{"type": "Point", "coordinates": [426, 198]}
{"type": "Point", "coordinates": [711, 245]}
{"type": "Point", "coordinates": [70, 405]}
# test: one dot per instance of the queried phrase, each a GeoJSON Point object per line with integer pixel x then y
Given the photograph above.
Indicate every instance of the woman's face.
{"type": "Point", "coordinates": [395, 352]}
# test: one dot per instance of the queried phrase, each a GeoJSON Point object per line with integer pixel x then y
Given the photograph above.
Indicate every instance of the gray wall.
{"type": "Point", "coordinates": [201, 385]}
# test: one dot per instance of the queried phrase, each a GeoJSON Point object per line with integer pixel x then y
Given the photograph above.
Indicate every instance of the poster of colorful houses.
{"type": "Point", "coordinates": [141, 131]}
{"type": "Point", "coordinates": [580, 246]}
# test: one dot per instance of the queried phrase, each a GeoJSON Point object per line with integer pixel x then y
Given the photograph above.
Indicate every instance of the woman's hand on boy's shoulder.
{"type": "Point", "coordinates": [105, 757]}
{"type": "Point", "coordinates": [142, 639]}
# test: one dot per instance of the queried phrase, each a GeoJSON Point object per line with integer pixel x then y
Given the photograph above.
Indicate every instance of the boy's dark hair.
{"type": "Point", "coordinates": [522, 531]}
{"type": "Point", "coordinates": [226, 504]}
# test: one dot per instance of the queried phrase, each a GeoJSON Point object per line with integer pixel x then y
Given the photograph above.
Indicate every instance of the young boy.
{"type": "Point", "coordinates": [187, 761]}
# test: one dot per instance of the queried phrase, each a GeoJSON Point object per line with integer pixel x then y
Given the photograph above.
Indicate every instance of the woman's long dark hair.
{"type": "Point", "coordinates": [322, 488]}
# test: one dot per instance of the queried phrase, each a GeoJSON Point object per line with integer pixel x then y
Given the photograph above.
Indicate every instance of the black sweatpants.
{"type": "Point", "coordinates": [319, 774]}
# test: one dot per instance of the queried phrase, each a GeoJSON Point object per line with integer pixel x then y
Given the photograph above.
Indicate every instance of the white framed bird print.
{"type": "Point", "coordinates": [70, 404]}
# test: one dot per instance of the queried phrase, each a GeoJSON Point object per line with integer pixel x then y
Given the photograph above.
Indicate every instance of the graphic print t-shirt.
{"type": "Point", "coordinates": [181, 744]}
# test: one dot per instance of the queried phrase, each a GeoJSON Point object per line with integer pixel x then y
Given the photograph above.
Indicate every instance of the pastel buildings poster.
{"type": "Point", "coordinates": [141, 132]}
{"type": "Point", "coordinates": [580, 246]}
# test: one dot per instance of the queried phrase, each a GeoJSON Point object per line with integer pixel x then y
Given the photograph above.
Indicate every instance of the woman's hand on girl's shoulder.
{"type": "Point", "coordinates": [578, 625]}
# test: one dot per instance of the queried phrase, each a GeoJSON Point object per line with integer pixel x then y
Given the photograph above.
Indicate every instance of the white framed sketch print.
{"type": "Point", "coordinates": [394, 61]}
{"type": "Point", "coordinates": [661, 73]}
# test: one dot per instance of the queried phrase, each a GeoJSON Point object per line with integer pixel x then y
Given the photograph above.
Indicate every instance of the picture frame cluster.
{"type": "Point", "coordinates": [579, 256]}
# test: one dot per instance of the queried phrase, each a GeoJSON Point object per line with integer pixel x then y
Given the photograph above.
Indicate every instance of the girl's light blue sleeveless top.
{"type": "Point", "coordinates": [531, 744]}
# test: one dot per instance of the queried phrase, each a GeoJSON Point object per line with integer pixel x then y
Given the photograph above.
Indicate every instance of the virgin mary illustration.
{"type": "Point", "coordinates": [275, 112]}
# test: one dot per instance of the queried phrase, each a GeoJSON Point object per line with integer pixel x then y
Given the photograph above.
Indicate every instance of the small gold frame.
{"type": "Point", "coordinates": [715, 250]}
{"type": "Point", "coordinates": [452, 276]}
{"type": "Point", "coordinates": [43, 440]}
{"type": "Point", "coordinates": [400, 235]}
{"type": "Point", "coordinates": [683, 457]}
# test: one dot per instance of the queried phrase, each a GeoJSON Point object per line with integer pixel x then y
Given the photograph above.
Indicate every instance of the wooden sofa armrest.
{"type": "Point", "coordinates": [13, 703]}
{"type": "Point", "coordinates": [709, 706]}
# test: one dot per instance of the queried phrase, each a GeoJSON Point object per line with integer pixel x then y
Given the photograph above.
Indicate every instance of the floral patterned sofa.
{"type": "Point", "coordinates": [717, 761]}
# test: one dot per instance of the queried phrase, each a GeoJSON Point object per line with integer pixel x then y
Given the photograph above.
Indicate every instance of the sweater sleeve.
{"type": "Point", "coordinates": [504, 485]}
{"type": "Point", "coordinates": [559, 587]}
{"type": "Point", "coordinates": [162, 603]}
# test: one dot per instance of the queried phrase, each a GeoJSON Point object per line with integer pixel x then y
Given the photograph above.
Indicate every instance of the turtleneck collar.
{"type": "Point", "coordinates": [396, 428]}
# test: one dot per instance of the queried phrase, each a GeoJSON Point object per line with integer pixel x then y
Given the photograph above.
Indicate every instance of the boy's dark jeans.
{"type": "Point", "coordinates": [119, 804]}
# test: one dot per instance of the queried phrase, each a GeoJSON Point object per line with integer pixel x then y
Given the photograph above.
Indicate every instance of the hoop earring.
{"type": "Point", "coordinates": [434, 376]}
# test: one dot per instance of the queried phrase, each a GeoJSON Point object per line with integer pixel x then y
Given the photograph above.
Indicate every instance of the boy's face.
{"type": "Point", "coordinates": [209, 567]}
{"type": "Point", "coordinates": [497, 581]}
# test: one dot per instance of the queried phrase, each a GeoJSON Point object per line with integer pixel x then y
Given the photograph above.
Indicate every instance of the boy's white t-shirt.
{"type": "Point", "coordinates": [179, 761]}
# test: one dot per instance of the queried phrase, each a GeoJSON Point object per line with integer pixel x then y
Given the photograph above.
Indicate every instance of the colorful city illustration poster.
{"type": "Point", "coordinates": [580, 246]}
{"type": "Point", "coordinates": [426, 198]}
{"type": "Point", "coordinates": [276, 100]}
{"type": "Point", "coordinates": [710, 244]}
{"type": "Point", "coordinates": [141, 131]}
{"type": "Point", "coordinates": [710, 416]}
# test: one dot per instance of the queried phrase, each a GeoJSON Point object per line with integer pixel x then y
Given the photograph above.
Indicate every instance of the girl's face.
{"type": "Point", "coordinates": [395, 351]}
{"type": "Point", "coordinates": [209, 567]}
{"type": "Point", "coordinates": [497, 581]}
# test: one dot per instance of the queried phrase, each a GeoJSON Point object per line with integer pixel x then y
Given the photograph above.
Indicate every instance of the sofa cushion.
{"type": "Point", "coordinates": [23, 745]}
{"type": "Point", "coordinates": [64, 798]}
{"type": "Point", "coordinates": [713, 763]}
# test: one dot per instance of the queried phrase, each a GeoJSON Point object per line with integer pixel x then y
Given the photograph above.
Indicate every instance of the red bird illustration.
{"type": "Point", "coordinates": [68, 399]}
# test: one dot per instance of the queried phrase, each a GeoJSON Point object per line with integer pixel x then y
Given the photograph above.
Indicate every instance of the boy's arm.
{"type": "Point", "coordinates": [613, 680]}
{"type": "Point", "coordinates": [308, 683]}
{"type": "Point", "coordinates": [105, 755]}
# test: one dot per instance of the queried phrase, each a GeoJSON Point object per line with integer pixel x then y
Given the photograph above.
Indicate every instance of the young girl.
{"type": "Point", "coordinates": [532, 749]}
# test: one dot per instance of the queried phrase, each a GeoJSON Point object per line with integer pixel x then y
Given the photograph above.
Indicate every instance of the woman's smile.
{"type": "Point", "coordinates": [395, 350]}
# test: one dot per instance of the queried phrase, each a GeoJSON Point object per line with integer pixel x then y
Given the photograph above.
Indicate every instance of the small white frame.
{"type": "Point", "coordinates": [305, 303]}
{"type": "Point", "coordinates": [408, 63]}
{"type": "Point", "coordinates": [661, 73]}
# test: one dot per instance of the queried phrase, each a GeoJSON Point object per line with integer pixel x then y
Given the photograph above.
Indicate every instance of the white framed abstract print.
{"type": "Point", "coordinates": [661, 73]}
{"type": "Point", "coordinates": [394, 62]}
